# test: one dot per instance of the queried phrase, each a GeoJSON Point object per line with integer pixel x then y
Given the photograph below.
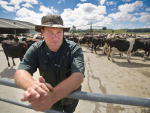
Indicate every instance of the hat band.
{"type": "Point", "coordinates": [52, 23]}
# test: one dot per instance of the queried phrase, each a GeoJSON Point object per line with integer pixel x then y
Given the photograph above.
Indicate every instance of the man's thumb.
{"type": "Point", "coordinates": [41, 79]}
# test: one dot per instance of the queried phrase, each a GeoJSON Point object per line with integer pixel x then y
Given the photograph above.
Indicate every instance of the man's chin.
{"type": "Point", "coordinates": [55, 47]}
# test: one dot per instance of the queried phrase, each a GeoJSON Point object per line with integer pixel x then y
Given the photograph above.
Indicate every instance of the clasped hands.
{"type": "Point", "coordinates": [39, 95]}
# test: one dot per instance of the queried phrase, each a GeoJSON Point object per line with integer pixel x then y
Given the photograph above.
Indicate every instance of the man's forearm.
{"type": "Point", "coordinates": [67, 86]}
{"type": "Point", "coordinates": [23, 79]}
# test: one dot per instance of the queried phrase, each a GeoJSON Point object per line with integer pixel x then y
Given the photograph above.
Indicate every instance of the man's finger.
{"type": "Point", "coordinates": [30, 94]}
{"type": "Point", "coordinates": [26, 95]}
{"type": "Point", "coordinates": [49, 86]}
{"type": "Point", "coordinates": [41, 79]}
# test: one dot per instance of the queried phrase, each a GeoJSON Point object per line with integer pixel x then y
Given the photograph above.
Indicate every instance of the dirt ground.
{"type": "Point", "coordinates": [101, 76]}
{"type": "Point", "coordinates": [117, 78]}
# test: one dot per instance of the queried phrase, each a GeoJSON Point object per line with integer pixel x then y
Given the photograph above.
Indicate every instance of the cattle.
{"type": "Point", "coordinates": [14, 50]}
{"type": "Point", "coordinates": [142, 43]}
{"type": "Point", "coordinates": [96, 41]}
{"type": "Point", "coordinates": [10, 36]}
{"type": "Point", "coordinates": [73, 38]}
{"type": "Point", "coordinates": [38, 36]}
{"type": "Point", "coordinates": [82, 40]}
{"type": "Point", "coordinates": [30, 41]}
{"type": "Point", "coordinates": [88, 40]}
{"type": "Point", "coordinates": [120, 45]}
{"type": "Point", "coordinates": [3, 37]}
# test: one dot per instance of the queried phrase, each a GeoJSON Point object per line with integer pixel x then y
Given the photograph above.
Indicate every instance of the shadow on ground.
{"type": "Point", "coordinates": [131, 65]}
{"type": "Point", "coordinates": [8, 73]}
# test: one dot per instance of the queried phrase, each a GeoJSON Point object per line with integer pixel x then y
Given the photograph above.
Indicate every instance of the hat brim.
{"type": "Point", "coordinates": [38, 27]}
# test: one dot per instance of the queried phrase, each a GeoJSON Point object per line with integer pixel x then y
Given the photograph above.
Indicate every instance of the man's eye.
{"type": "Point", "coordinates": [59, 32]}
{"type": "Point", "coordinates": [50, 33]}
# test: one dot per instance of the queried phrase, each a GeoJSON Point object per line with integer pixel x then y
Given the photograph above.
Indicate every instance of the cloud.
{"type": "Point", "coordinates": [136, 14]}
{"type": "Point", "coordinates": [148, 23]}
{"type": "Point", "coordinates": [88, 8]}
{"type": "Point", "coordinates": [17, 2]}
{"type": "Point", "coordinates": [25, 14]}
{"type": "Point", "coordinates": [144, 17]}
{"type": "Point", "coordinates": [102, 1]}
{"type": "Point", "coordinates": [105, 22]}
{"type": "Point", "coordinates": [134, 19]}
{"type": "Point", "coordinates": [27, 5]}
{"type": "Point", "coordinates": [61, 1]}
{"type": "Point", "coordinates": [83, 0]}
{"type": "Point", "coordinates": [113, 9]}
{"type": "Point", "coordinates": [13, 5]}
{"type": "Point", "coordinates": [120, 16]}
{"type": "Point", "coordinates": [6, 6]}
{"type": "Point", "coordinates": [83, 14]}
{"type": "Point", "coordinates": [148, 9]}
{"type": "Point", "coordinates": [126, 0]}
{"type": "Point", "coordinates": [47, 10]}
{"type": "Point", "coordinates": [111, 3]}
{"type": "Point", "coordinates": [130, 7]}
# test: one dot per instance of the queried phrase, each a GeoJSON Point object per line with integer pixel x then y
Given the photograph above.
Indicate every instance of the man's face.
{"type": "Point", "coordinates": [53, 37]}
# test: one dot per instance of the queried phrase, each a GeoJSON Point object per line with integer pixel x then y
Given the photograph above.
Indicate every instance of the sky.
{"type": "Point", "coordinates": [112, 14]}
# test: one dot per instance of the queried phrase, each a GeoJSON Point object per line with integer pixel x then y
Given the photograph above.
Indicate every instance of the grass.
{"type": "Point", "coordinates": [118, 31]}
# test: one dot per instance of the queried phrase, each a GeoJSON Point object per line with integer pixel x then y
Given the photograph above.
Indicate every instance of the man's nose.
{"type": "Point", "coordinates": [55, 36]}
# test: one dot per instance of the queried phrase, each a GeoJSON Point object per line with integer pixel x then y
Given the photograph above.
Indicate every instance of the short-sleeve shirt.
{"type": "Point", "coordinates": [71, 60]}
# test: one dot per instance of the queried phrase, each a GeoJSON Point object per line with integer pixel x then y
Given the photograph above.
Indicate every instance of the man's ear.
{"type": "Point", "coordinates": [42, 30]}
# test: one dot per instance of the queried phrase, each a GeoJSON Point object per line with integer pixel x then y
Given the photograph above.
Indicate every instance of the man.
{"type": "Point", "coordinates": [61, 66]}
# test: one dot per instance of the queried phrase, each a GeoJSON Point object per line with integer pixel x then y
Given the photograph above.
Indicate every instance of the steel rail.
{"type": "Point", "coordinates": [107, 98]}
{"type": "Point", "coordinates": [25, 105]}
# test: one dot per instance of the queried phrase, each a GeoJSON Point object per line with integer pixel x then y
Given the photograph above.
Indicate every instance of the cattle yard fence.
{"type": "Point", "coordinates": [107, 98]}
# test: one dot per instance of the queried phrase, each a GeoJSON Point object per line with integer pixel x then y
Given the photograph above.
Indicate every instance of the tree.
{"type": "Point", "coordinates": [104, 28]}
{"type": "Point", "coordinates": [73, 29]}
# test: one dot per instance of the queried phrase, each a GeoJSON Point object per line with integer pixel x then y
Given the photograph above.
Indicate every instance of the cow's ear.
{"type": "Point", "coordinates": [24, 45]}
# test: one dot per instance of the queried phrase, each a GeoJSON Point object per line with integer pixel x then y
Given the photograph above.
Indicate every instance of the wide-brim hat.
{"type": "Point", "coordinates": [51, 20]}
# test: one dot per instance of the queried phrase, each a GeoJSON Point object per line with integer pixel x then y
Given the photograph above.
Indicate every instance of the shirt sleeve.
{"type": "Point", "coordinates": [30, 60]}
{"type": "Point", "coordinates": [77, 61]}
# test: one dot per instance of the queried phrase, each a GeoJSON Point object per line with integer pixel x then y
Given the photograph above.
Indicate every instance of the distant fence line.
{"type": "Point", "coordinates": [139, 30]}
{"type": "Point", "coordinates": [107, 98]}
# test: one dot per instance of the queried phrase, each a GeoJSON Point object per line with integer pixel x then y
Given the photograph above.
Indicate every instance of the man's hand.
{"type": "Point", "coordinates": [36, 90]}
{"type": "Point", "coordinates": [42, 103]}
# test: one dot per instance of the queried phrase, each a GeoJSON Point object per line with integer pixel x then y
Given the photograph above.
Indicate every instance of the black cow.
{"type": "Point", "coordinates": [82, 40]}
{"type": "Point", "coordinates": [119, 45]}
{"type": "Point", "coordinates": [10, 36]}
{"type": "Point", "coordinates": [141, 43]}
{"type": "Point", "coordinates": [73, 38]}
{"type": "Point", "coordinates": [96, 41]}
{"type": "Point", "coordinates": [88, 40]}
{"type": "Point", "coordinates": [14, 50]}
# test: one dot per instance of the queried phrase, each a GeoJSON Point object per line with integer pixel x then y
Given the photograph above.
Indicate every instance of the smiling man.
{"type": "Point", "coordinates": [61, 66]}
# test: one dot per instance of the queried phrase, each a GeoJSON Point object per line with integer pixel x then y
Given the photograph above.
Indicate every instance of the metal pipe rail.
{"type": "Point", "coordinates": [25, 105]}
{"type": "Point", "coordinates": [107, 98]}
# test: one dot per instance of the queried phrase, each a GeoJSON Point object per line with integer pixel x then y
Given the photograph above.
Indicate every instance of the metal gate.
{"type": "Point", "coordinates": [107, 98]}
